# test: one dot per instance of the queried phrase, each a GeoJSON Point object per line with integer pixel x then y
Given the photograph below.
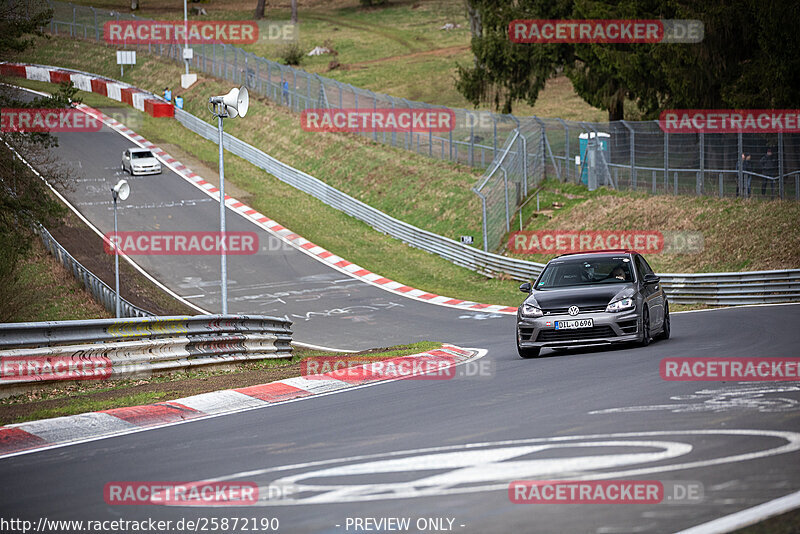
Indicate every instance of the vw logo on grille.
{"type": "Point", "coordinates": [573, 310]}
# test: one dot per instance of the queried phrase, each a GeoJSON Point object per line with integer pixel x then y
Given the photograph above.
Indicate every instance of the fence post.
{"type": "Point", "coordinates": [780, 165]}
{"type": "Point", "coordinates": [566, 150]}
{"type": "Point", "coordinates": [96, 27]}
{"type": "Point", "coordinates": [666, 162]}
{"type": "Point", "coordinates": [721, 187]}
{"type": "Point", "coordinates": [739, 168]}
{"type": "Point", "coordinates": [654, 181]}
{"type": "Point", "coordinates": [483, 215]}
{"type": "Point", "coordinates": [632, 155]}
{"type": "Point", "coordinates": [700, 174]}
{"type": "Point", "coordinates": [524, 164]}
{"type": "Point", "coordinates": [505, 190]}
{"type": "Point", "coordinates": [471, 144]}
{"type": "Point", "coordinates": [675, 181]}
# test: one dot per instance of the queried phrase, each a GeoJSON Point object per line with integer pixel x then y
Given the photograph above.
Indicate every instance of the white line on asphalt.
{"type": "Point", "coordinates": [747, 517]}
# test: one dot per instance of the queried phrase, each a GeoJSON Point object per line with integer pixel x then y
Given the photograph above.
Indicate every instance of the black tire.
{"type": "Point", "coordinates": [528, 352]}
{"type": "Point", "coordinates": [666, 328]}
{"type": "Point", "coordinates": [645, 329]}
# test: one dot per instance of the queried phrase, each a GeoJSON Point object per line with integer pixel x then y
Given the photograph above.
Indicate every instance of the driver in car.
{"type": "Point", "coordinates": [618, 273]}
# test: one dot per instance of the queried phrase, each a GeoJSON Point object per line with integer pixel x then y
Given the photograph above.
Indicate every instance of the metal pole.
{"type": "Point", "coordinates": [116, 253]}
{"type": "Point", "coordinates": [223, 253]}
{"type": "Point", "coordinates": [186, 33]}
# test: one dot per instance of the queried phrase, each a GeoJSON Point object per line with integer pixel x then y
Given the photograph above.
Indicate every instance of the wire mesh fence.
{"type": "Point", "coordinates": [632, 155]}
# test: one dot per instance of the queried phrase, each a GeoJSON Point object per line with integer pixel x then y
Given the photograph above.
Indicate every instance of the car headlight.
{"type": "Point", "coordinates": [621, 305]}
{"type": "Point", "coordinates": [530, 309]}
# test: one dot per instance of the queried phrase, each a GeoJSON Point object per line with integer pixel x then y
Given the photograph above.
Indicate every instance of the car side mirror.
{"type": "Point", "coordinates": [525, 288]}
{"type": "Point", "coordinates": [651, 279]}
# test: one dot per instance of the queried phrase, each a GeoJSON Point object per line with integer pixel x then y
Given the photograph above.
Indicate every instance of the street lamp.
{"type": "Point", "coordinates": [232, 105]}
{"type": "Point", "coordinates": [120, 191]}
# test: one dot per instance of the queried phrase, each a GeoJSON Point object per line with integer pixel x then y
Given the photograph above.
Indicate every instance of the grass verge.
{"type": "Point", "coordinates": [60, 400]}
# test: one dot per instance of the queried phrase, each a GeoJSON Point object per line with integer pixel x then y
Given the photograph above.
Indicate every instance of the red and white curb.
{"type": "Point", "coordinates": [264, 222]}
{"type": "Point", "coordinates": [48, 433]}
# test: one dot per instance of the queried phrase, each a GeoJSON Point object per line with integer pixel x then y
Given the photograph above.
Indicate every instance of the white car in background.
{"type": "Point", "coordinates": [140, 161]}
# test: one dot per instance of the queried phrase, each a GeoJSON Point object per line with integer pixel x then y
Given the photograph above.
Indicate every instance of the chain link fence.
{"type": "Point", "coordinates": [517, 153]}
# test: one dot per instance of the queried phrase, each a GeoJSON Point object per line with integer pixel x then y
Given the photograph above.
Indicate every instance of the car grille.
{"type": "Point", "coordinates": [583, 309]}
{"type": "Point", "coordinates": [580, 333]}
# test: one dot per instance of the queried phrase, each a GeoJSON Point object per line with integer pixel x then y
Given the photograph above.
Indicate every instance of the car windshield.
{"type": "Point", "coordinates": [564, 273]}
{"type": "Point", "coordinates": [141, 155]}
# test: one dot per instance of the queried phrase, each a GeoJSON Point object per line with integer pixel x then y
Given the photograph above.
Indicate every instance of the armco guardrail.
{"type": "Point", "coordinates": [124, 348]}
{"type": "Point", "coordinates": [714, 288]}
{"type": "Point", "coordinates": [101, 292]}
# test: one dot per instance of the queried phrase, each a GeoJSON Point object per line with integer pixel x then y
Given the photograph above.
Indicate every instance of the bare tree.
{"type": "Point", "coordinates": [260, 7]}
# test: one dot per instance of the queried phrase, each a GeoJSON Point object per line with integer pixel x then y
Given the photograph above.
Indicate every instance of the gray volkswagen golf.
{"type": "Point", "coordinates": [592, 298]}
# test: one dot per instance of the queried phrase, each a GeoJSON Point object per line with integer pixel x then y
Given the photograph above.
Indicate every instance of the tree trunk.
{"type": "Point", "coordinates": [616, 111]}
{"type": "Point", "coordinates": [294, 11]}
{"type": "Point", "coordinates": [260, 7]}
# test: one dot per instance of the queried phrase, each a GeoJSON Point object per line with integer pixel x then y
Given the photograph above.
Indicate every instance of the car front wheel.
{"type": "Point", "coordinates": [645, 329]}
{"type": "Point", "coordinates": [527, 352]}
{"type": "Point", "coordinates": [665, 331]}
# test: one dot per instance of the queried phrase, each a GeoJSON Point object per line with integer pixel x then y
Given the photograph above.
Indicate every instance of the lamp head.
{"type": "Point", "coordinates": [236, 102]}
{"type": "Point", "coordinates": [122, 190]}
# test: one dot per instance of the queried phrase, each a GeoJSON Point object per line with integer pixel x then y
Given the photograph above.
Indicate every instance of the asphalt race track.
{"type": "Point", "coordinates": [438, 450]}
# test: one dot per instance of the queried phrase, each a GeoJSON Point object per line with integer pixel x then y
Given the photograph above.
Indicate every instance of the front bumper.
{"type": "Point", "coordinates": [607, 328]}
{"type": "Point", "coordinates": [145, 170]}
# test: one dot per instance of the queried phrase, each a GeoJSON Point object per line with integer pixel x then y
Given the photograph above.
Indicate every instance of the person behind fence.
{"type": "Point", "coordinates": [285, 86]}
{"type": "Point", "coordinates": [745, 166]}
{"type": "Point", "coordinates": [769, 167]}
{"type": "Point", "coordinates": [167, 94]}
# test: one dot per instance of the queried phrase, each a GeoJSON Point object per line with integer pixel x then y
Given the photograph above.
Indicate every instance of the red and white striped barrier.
{"type": "Point", "coordinates": [141, 100]}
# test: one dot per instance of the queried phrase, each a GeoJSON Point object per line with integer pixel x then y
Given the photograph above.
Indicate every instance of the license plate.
{"type": "Point", "coordinates": [574, 323]}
